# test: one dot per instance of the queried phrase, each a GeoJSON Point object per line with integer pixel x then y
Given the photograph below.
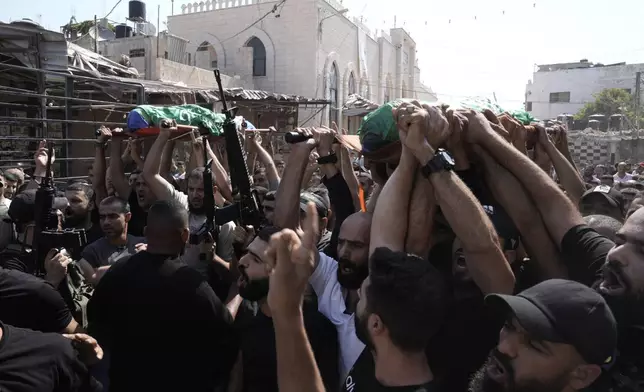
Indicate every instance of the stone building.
{"type": "Point", "coordinates": [305, 47]}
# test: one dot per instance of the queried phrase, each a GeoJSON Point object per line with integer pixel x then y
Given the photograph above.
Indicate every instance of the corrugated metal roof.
{"type": "Point", "coordinates": [357, 105]}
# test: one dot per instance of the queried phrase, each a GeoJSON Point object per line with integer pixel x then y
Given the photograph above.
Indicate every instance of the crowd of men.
{"type": "Point", "coordinates": [477, 258]}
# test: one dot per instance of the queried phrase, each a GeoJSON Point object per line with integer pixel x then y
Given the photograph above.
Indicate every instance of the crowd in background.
{"type": "Point", "coordinates": [477, 257]}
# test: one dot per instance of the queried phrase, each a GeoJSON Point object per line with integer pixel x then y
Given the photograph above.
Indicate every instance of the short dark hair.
{"type": "Point", "coordinates": [408, 294]}
{"type": "Point", "coordinates": [321, 192]}
{"type": "Point", "coordinates": [267, 232]}
{"type": "Point", "coordinates": [82, 187]}
{"type": "Point", "coordinates": [197, 174]}
{"type": "Point", "coordinates": [611, 224]}
{"type": "Point", "coordinates": [124, 206]}
{"type": "Point", "coordinates": [164, 214]}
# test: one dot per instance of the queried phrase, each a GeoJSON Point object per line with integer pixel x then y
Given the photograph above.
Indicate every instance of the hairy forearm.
{"type": "Point", "coordinates": [153, 160]}
{"type": "Point", "coordinates": [296, 367]}
{"type": "Point", "coordinates": [373, 198]}
{"type": "Point", "coordinates": [421, 218]}
{"type": "Point", "coordinates": [267, 160]}
{"type": "Point", "coordinates": [349, 175]}
{"type": "Point", "coordinates": [484, 257]}
{"type": "Point", "coordinates": [558, 213]}
{"type": "Point", "coordinates": [287, 197]}
{"type": "Point", "coordinates": [98, 169]}
{"type": "Point", "coordinates": [568, 175]}
{"type": "Point", "coordinates": [389, 225]}
{"type": "Point", "coordinates": [221, 176]}
{"type": "Point", "coordinates": [507, 190]}
{"type": "Point", "coordinates": [166, 160]}
{"type": "Point", "coordinates": [117, 172]}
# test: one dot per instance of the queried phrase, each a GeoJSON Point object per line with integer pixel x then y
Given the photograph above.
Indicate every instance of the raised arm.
{"type": "Point", "coordinates": [568, 175]}
{"type": "Point", "coordinates": [287, 197]}
{"type": "Point", "coordinates": [99, 169]}
{"type": "Point", "coordinates": [507, 190]}
{"type": "Point", "coordinates": [161, 188]}
{"type": "Point", "coordinates": [117, 172]}
{"type": "Point", "coordinates": [559, 214]}
{"type": "Point", "coordinates": [267, 160]}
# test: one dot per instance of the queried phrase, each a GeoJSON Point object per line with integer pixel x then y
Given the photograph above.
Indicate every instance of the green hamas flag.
{"type": "Point", "coordinates": [145, 116]}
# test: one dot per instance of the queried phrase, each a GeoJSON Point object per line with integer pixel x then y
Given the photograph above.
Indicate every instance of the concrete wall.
{"type": "Point", "coordinates": [581, 83]}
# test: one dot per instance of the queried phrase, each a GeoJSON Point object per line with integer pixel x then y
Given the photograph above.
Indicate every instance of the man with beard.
{"type": "Point", "coordinates": [336, 284]}
{"type": "Point", "coordinates": [402, 303]}
{"type": "Point", "coordinates": [558, 336]}
{"type": "Point", "coordinates": [114, 215]}
{"type": "Point", "coordinates": [78, 214]}
{"type": "Point", "coordinates": [193, 202]}
{"type": "Point", "coordinates": [584, 252]}
{"type": "Point", "coordinates": [256, 368]}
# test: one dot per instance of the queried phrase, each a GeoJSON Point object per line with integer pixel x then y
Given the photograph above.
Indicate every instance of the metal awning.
{"type": "Point", "coordinates": [357, 105]}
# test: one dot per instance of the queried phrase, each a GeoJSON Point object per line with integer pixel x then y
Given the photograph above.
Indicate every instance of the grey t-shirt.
{"type": "Point", "coordinates": [101, 253]}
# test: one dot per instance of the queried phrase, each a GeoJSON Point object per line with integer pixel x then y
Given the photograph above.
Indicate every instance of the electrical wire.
{"type": "Point", "coordinates": [112, 10]}
{"type": "Point", "coordinates": [272, 11]}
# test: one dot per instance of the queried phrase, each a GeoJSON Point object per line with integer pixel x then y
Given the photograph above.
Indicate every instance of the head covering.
{"type": "Point", "coordinates": [564, 311]}
{"type": "Point", "coordinates": [612, 196]}
{"type": "Point", "coordinates": [23, 206]}
{"type": "Point", "coordinates": [321, 205]}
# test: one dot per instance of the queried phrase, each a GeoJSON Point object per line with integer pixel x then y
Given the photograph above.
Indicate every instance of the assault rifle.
{"type": "Point", "coordinates": [245, 206]}
{"type": "Point", "coordinates": [208, 201]}
{"type": "Point", "coordinates": [46, 235]}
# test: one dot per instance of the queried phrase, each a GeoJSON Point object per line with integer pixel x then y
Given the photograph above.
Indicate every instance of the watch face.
{"type": "Point", "coordinates": [448, 158]}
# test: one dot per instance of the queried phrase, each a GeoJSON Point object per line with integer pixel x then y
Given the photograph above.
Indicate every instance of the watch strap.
{"type": "Point", "coordinates": [331, 158]}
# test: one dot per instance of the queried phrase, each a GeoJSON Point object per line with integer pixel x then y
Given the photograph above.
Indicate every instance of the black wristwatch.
{"type": "Point", "coordinates": [441, 161]}
{"type": "Point", "coordinates": [331, 158]}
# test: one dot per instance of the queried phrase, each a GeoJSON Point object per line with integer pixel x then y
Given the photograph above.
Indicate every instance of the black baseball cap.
{"type": "Point", "coordinates": [23, 206]}
{"type": "Point", "coordinates": [564, 311]}
{"type": "Point", "coordinates": [611, 195]}
{"type": "Point", "coordinates": [321, 205]}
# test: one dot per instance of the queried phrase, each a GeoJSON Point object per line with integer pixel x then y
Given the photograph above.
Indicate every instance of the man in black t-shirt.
{"type": "Point", "coordinates": [79, 212]}
{"type": "Point", "coordinates": [257, 364]}
{"type": "Point", "coordinates": [558, 336]}
{"type": "Point", "coordinates": [29, 302]}
{"type": "Point", "coordinates": [44, 362]}
{"type": "Point", "coordinates": [161, 325]}
{"type": "Point", "coordinates": [401, 307]}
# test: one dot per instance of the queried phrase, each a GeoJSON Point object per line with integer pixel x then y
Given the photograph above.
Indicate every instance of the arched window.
{"type": "Point", "coordinates": [206, 56]}
{"type": "Point", "coordinates": [333, 93]}
{"type": "Point", "coordinates": [351, 87]}
{"type": "Point", "coordinates": [259, 56]}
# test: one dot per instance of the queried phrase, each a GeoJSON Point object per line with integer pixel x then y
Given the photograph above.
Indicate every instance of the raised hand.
{"type": "Point", "coordinates": [90, 353]}
{"type": "Point", "coordinates": [42, 154]}
{"type": "Point", "coordinates": [104, 134]}
{"type": "Point", "coordinates": [291, 261]}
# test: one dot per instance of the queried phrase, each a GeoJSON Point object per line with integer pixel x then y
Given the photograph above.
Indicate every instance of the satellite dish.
{"type": "Point", "coordinates": [103, 34]}
{"type": "Point", "coordinates": [146, 29]}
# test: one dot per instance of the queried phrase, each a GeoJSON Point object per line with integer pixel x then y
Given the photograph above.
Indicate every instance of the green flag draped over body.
{"type": "Point", "coordinates": [147, 116]}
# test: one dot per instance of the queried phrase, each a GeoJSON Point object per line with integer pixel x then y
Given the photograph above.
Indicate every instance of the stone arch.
{"type": "Point", "coordinates": [331, 59]}
{"type": "Point", "coordinates": [348, 70]}
{"type": "Point", "coordinates": [217, 47]}
{"type": "Point", "coordinates": [259, 56]}
{"type": "Point", "coordinates": [206, 56]}
{"type": "Point", "coordinates": [269, 48]}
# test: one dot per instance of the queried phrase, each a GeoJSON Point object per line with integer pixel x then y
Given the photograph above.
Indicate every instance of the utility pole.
{"type": "Point", "coordinates": [95, 34]}
{"type": "Point", "coordinates": [638, 82]}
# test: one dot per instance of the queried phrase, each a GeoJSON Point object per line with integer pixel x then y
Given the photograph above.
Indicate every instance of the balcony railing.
{"type": "Point", "coordinates": [213, 5]}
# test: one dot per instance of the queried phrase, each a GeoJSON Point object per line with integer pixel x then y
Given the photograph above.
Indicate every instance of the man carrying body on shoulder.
{"type": "Point", "coordinates": [193, 201]}
{"type": "Point", "coordinates": [256, 369]}
{"type": "Point", "coordinates": [117, 244]}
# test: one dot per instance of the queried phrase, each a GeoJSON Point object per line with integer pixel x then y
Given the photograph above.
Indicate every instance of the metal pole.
{"type": "Point", "coordinates": [69, 92]}
{"type": "Point", "coordinates": [9, 119]}
{"type": "Point", "coordinates": [638, 82]}
{"type": "Point", "coordinates": [55, 97]}
{"type": "Point", "coordinates": [95, 34]}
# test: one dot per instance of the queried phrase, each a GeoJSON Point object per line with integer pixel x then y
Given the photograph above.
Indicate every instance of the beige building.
{"type": "Point", "coordinates": [304, 47]}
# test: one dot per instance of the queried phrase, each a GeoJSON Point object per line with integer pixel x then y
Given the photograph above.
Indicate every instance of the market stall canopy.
{"type": "Point", "coordinates": [357, 105]}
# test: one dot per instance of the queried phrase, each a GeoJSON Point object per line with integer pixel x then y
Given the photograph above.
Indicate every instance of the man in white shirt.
{"type": "Point", "coordinates": [336, 284]}
{"type": "Point", "coordinates": [621, 175]}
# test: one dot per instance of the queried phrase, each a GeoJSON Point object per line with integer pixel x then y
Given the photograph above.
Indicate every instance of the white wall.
{"type": "Point", "coordinates": [581, 83]}
{"type": "Point", "coordinates": [300, 50]}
